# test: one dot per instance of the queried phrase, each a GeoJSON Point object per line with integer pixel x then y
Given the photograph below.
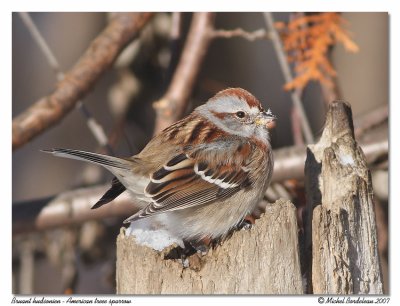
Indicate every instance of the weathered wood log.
{"type": "Point", "coordinates": [340, 203]}
{"type": "Point", "coordinates": [263, 260]}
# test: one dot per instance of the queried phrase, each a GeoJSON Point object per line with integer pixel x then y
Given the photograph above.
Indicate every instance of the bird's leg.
{"type": "Point", "coordinates": [198, 246]}
{"type": "Point", "coordinates": [188, 249]}
{"type": "Point", "coordinates": [246, 224]}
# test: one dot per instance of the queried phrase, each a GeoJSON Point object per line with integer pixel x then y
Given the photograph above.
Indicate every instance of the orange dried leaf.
{"type": "Point", "coordinates": [279, 25]}
{"type": "Point", "coordinates": [307, 40]}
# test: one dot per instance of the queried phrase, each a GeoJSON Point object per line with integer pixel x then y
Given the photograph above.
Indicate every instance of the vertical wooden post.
{"type": "Point", "coordinates": [340, 203]}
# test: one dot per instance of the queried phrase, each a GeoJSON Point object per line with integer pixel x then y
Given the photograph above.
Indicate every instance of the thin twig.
{"type": "Point", "coordinates": [121, 94]}
{"type": "Point", "coordinates": [282, 58]}
{"type": "Point", "coordinates": [296, 120]}
{"type": "Point", "coordinates": [42, 44]}
{"type": "Point", "coordinates": [175, 46]}
{"type": "Point", "coordinates": [27, 267]}
{"type": "Point", "coordinates": [172, 105]}
{"type": "Point", "coordinates": [239, 32]}
{"type": "Point", "coordinates": [370, 120]}
{"type": "Point", "coordinates": [100, 55]}
{"type": "Point", "coordinates": [176, 21]}
{"type": "Point", "coordinates": [296, 126]}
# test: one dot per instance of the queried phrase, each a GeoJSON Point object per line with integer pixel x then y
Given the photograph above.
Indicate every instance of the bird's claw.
{"type": "Point", "coordinates": [245, 225]}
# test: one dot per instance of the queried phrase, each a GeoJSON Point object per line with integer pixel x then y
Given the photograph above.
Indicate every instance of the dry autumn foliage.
{"type": "Point", "coordinates": [307, 40]}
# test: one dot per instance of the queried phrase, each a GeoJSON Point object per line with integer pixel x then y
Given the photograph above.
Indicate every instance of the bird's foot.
{"type": "Point", "coordinates": [244, 225]}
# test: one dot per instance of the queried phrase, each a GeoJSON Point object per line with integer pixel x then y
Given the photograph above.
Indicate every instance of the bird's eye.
{"type": "Point", "coordinates": [240, 114]}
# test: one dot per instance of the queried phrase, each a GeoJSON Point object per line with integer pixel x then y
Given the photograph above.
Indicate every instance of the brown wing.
{"type": "Point", "coordinates": [182, 182]}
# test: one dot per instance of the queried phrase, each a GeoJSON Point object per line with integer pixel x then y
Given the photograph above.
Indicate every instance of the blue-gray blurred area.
{"type": "Point", "coordinates": [235, 62]}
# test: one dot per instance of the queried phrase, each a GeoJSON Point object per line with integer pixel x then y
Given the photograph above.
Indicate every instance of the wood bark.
{"type": "Point", "coordinates": [340, 203]}
{"type": "Point", "coordinates": [263, 260]}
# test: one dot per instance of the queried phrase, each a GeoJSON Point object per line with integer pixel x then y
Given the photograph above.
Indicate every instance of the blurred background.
{"type": "Point", "coordinates": [78, 256]}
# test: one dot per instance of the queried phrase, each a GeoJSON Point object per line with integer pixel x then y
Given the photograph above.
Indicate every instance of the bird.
{"type": "Point", "coordinates": [201, 176]}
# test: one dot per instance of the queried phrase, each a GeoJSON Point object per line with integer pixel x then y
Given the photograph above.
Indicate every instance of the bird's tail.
{"type": "Point", "coordinates": [106, 161]}
{"type": "Point", "coordinates": [121, 168]}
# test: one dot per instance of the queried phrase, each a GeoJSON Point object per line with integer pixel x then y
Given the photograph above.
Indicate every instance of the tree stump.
{"type": "Point", "coordinates": [340, 203]}
{"type": "Point", "coordinates": [263, 260]}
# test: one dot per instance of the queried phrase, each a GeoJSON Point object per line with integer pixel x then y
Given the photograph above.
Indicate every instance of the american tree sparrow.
{"type": "Point", "coordinates": [202, 175]}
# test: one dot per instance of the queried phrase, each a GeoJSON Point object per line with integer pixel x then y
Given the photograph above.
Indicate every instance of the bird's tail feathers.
{"type": "Point", "coordinates": [99, 159]}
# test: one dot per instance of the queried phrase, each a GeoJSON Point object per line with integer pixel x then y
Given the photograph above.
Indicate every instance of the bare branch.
{"type": "Point", "coordinates": [172, 105]}
{"type": "Point", "coordinates": [282, 58]}
{"type": "Point", "coordinates": [289, 162]}
{"type": "Point", "coordinates": [176, 20]}
{"type": "Point", "coordinates": [70, 207]}
{"type": "Point", "coordinates": [27, 269]}
{"type": "Point", "coordinates": [251, 36]}
{"type": "Point", "coordinates": [93, 125]}
{"type": "Point", "coordinates": [296, 127]}
{"type": "Point", "coordinates": [175, 45]}
{"type": "Point", "coordinates": [41, 42]}
{"type": "Point", "coordinates": [100, 55]}
{"type": "Point", "coordinates": [370, 120]}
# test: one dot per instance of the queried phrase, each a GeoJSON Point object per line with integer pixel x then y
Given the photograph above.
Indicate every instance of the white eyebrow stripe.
{"type": "Point", "coordinates": [254, 110]}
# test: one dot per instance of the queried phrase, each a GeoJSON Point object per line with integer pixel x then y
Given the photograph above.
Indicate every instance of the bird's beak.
{"type": "Point", "coordinates": [266, 119]}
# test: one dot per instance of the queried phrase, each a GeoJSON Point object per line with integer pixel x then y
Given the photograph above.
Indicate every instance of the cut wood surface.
{"type": "Point", "coordinates": [262, 260]}
{"type": "Point", "coordinates": [340, 201]}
